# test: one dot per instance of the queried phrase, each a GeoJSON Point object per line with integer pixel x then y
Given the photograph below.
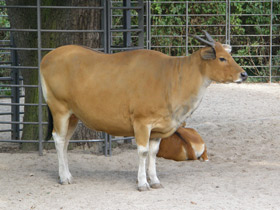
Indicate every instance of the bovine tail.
{"type": "Point", "coordinates": [50, 125]}
{"type": "Point", "coordinates": [191, 154]}
{"type": "Point", "coordinates": [179, 135]}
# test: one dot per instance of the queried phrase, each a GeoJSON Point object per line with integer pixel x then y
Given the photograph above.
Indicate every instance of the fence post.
{"type": "Point", "coordinates": [228, 23]}
{"type": "Point", "coordinates": [40, 118]}
{"type": "Point", "coordinates": [104, 26]}
{"type": "Point", "coordinates": [187, 28]}
{"type": "Point", "coordinates": [148, 24]}
{"type": "Point", "coordinates": [127, 23]}
{"type": "Point", "coordinates": [15, 93]}
{"type": "Point", "coordinates": [270, 41]}
{"type": "Point", "coordinates": [141, 23]}
{"type": "Point", "coordinates": [107, 25]}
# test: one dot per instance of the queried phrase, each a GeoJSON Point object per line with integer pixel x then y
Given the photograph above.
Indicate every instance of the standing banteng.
{"type": "Point", "coordinates": [141, 93]}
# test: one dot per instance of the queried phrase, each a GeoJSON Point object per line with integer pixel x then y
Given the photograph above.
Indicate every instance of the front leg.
{"type": "Point", "coordinates": [153, 150]}
{"type": "Point", "coordinates": [142, 135]}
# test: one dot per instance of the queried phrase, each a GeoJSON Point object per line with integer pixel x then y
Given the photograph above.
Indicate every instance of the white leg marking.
{"type": "Point", "coordinates": [142, 179]}
{"type": "Point", "coordinates": [61, 145]}
{"type": "Point", "coordinates": [153, 150]}
{"type": "Point", "coordinates": [61, 149]}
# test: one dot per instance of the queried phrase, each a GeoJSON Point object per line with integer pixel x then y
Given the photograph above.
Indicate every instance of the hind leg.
{"type": "Point", "coordinates": [64, 127]}
{"type": "Point", "coordinates": [73, 121]}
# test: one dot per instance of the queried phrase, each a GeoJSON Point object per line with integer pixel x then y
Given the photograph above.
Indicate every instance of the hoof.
{"type": "Point", "coordinates": [144, 187]}
{"type": "Point", "coordinates": [156, 186]}
{"type": "Point", "coordinates": [66, 181]}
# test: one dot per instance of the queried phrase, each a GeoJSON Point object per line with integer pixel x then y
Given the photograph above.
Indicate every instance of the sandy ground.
{"type": "Point", "coordinates": [241, 127]}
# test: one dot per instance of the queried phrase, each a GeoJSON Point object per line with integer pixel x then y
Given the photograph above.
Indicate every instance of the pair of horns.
{"type": "Point", "coordinates": [210, 41]}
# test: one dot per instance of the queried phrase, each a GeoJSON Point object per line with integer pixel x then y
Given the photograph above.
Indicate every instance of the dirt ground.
{"type": "Point", "coordinates": [241, 127]}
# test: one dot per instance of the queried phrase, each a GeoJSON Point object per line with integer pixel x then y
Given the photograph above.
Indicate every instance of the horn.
{"type": "Point", "coordinates": [208, 36]}
{"type": "Point", "coordinates": [209, 43]}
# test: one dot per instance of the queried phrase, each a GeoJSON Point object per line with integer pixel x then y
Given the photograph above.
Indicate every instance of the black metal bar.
{"type": "Point", "coordinates": [110, 145]}
{"type": "Point", "coordinates": [187, 28]}
{"type": "Point", "coordinates": [16, 86]}
{"type": "Point", "coordinates": [108, 26]}
{"type": "Point", "coordinates": [103, 25]}
{"type": "Point", "coordinates": [51, 141]}
{"type": "Point", "coordinates": [20, 104]}
{"type": "Point", "coordinates": [106, 144]}
{"type": "Point", "coordinates": [21, 30]}
{"type": "Point", "coordinates": [126, 7]}
{"type": "Point", "coordinates": [72, 7]}
{"type": "Point", "coordinates": [19, 141]}
{"type": "Point", "coordinates": [50, 7]}
{"type": "Point", "coordinates": [126, 24]}
{"type": "Point", "coordinates": [18, 67]}
{"type": "Point", "coordinates": [141, 23]}
{"type": "Point", "coordinates": [52, 30]}
{"type": "Point", "coordinates": [125, 48]}
{"type": "Point", "coordinates": [40, 94]}
{"type": "Point", "coordinates": [5, 113]}
{"type": "Point", "coordinates": [33, 49]}
{"type": "Point", "coordinates": [270, 41]}
{"type": "Point", "coordinates": [6, 78]}
{"type": "Point", "coordinates": [4, 131]}
{"type": "Point", "coordinates": [73, 31]}
{"type": "Point", "coordinates": [22, 123]}
{"type": "Point", "coordinates": [126, 30]}
{"type": "Point", "coordinates": [15, 94]}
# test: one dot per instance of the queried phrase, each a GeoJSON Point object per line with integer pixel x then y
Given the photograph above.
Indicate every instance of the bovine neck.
{"type": "Point", "coordinates": [189, 71]}
{"type": "Point", "coordinates": [190, 86]}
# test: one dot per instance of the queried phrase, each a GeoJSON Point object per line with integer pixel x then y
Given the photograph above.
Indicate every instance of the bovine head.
{"type": "Point", "coordinates": [218, 64]}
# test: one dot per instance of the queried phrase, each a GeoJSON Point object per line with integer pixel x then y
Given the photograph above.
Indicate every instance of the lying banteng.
{"type": "Point", "coordinates": [184, 144]}
{"type": "Point", "coordinates": [141, 93]}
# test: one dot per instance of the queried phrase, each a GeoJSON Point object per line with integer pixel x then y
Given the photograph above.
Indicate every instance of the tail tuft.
{"type": "Point", "coordinates": [50, 125]}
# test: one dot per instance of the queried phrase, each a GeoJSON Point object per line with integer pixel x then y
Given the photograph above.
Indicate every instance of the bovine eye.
{"type": "Point", "coordinates": [223, 59]}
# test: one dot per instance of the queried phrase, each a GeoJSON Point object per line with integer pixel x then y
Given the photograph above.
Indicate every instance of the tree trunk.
{"type": "Point", "coordinates": [24, 18]}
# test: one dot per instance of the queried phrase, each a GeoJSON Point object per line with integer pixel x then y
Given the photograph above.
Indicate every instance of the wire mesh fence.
{"type": "Point", "coordinates": [88, 25]}
{"type": "Point", "coordinates": [250, 27]}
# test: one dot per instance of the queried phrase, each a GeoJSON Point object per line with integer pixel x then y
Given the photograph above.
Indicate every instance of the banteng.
{"type": "Point", "coordinates": [141, 93]}
{"type": "Point", "coordinates": [184, 144]}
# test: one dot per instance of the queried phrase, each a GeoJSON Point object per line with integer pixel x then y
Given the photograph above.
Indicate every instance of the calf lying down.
{"type": "Point", "coordinates": [184, 144]}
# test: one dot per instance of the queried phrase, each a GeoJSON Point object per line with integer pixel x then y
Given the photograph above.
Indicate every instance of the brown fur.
{"type": "Point", "coordinates": [183, 145]}
{"type": "Point", "coordinates": [140, 86]}
{"type": "Point", "coordinates": [141, 93]}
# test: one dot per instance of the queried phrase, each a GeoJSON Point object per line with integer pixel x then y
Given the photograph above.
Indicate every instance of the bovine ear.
{"type": "Point", "coordinates": [227, 48]}
{"type": "Point", "coordinates": [208, 53]}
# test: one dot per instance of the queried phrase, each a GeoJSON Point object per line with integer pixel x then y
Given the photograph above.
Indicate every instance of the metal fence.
{"type": "Point", "coordinates": [252, 28]}
{"type": "Point", "coordinates": [12, 88]}
{"type": "Point", "coordinates": [159, 25]}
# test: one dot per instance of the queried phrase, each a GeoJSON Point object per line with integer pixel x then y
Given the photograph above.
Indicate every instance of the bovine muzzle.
{"type": "Point", "coordinates": [244, 75]}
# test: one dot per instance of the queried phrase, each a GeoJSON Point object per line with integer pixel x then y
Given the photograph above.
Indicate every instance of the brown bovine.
{"type": "Point", "coordinates": [184, 144]}
{"type": "Point", "coordinates": [141, 93]}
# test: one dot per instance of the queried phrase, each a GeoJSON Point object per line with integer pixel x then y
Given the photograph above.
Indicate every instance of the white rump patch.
{"type": "Point", "coordinates": [44, 87]}
{"type": "Point", "coordinates": [227, 48]}
{"type": "Point", "coordinates": [199, 153]}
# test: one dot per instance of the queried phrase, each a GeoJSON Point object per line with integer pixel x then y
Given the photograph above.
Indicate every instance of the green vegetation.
{"type": "Point", "coordinates": [249, 31]}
